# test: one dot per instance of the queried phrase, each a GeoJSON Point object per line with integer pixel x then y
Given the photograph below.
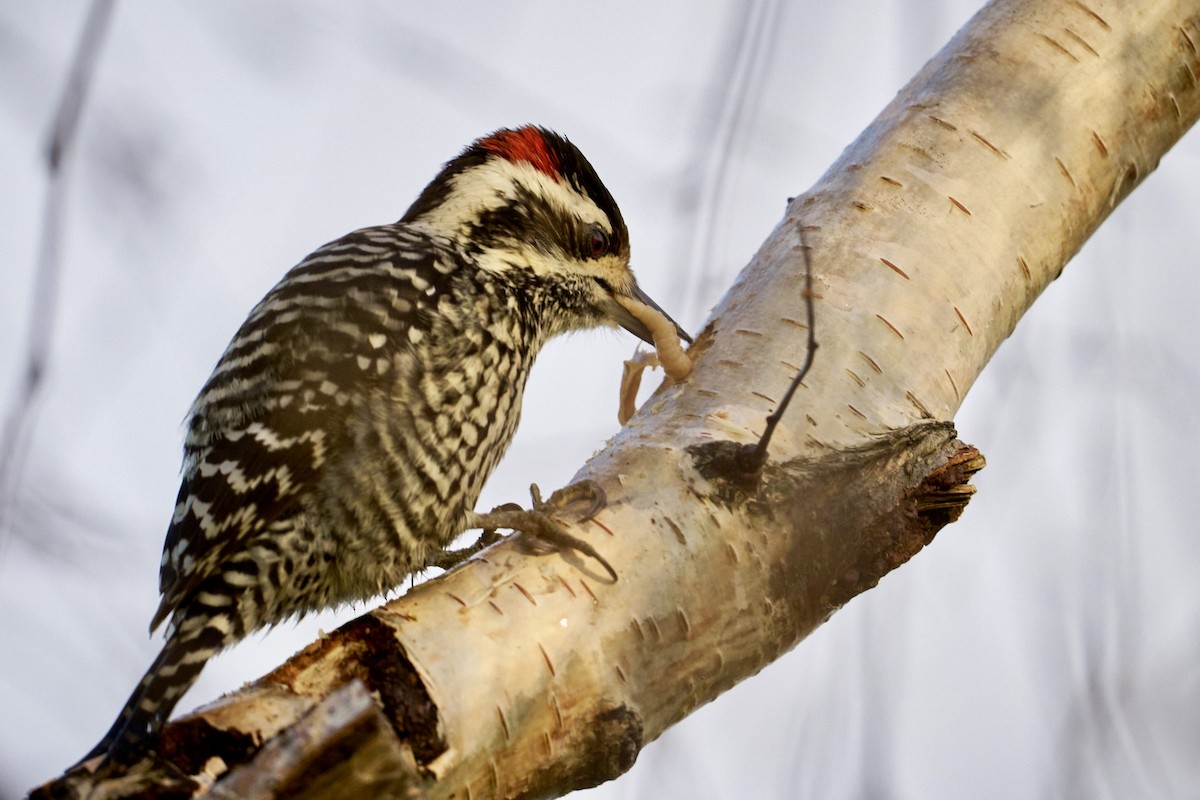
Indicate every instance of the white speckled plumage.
{"type": "Point", "coordinates": [342, 440]}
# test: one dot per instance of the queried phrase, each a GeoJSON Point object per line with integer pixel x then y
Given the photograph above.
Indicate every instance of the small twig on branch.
{"type": "Point", "coordinates": [743, 463]}
{"type": "Point", "coordinates": [758, 455]}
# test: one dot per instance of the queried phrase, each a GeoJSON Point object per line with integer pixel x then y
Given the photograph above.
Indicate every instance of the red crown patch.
{"type": "Point", "coordinates": [525, 144]}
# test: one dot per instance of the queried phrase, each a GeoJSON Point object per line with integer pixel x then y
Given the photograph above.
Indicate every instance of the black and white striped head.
{"type": "Point", "coordinates": [527, 199]}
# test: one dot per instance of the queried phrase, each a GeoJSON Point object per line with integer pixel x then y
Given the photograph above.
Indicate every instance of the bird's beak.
{"type": "Point", "coordinates": [636, 326]}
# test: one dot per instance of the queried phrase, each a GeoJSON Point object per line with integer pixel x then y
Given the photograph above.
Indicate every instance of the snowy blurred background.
{"type": "Point", "coordinates": [1048, 645]}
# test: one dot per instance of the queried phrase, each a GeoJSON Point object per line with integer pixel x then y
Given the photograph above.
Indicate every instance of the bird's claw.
{"type": "Point", "coordinates": [540, 522]}
{"type": "Point", "coordinates": [586, 489]}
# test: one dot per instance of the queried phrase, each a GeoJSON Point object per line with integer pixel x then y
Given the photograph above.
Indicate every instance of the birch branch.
{"type": "Point", "coordinates": [529, 674]}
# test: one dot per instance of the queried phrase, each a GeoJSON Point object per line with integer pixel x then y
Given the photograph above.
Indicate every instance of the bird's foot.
{"type": "Point", "coordinates": [539, 522]}
{"type": "Point", "coordinates": [448, 559]}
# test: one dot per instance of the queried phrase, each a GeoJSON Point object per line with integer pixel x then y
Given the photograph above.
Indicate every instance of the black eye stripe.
{"type": "Point", "coordinates": [546, 226]}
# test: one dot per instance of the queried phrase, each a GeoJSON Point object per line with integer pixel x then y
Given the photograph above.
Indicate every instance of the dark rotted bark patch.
{"type": "Point", "coordinates": [610, 748]}
{"type": "Point", "coordinates": [372, 655]}
{"type": "Point", "coordinates": [733, 469]}
{"type": "Point", "coordinates": [387, 671]}
{"type": "Point", "coordinates": [617, 740]}
{"type": "Point", "coordinates": [191, 741]}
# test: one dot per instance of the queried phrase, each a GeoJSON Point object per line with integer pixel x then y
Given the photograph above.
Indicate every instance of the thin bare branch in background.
{"type": "Point", "coordinates": [19, 418]}
{"type": "Point", "coordinates": [745, 69]}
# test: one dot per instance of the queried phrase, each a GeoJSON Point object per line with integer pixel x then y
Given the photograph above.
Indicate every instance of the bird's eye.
{"type": "Point", "coordinates": [597, 242]}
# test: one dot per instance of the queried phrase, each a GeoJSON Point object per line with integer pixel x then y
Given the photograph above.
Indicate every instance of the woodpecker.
{"type": "Point", "coordinates": [343, 438]}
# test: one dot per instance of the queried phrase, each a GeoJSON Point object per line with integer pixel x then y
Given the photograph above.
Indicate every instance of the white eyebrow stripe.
{"type": "Point", "coordinates": [494, 184]}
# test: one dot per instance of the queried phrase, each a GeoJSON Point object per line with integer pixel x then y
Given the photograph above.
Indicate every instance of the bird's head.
{"type": "Point", "coordinates": [526, 199]}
